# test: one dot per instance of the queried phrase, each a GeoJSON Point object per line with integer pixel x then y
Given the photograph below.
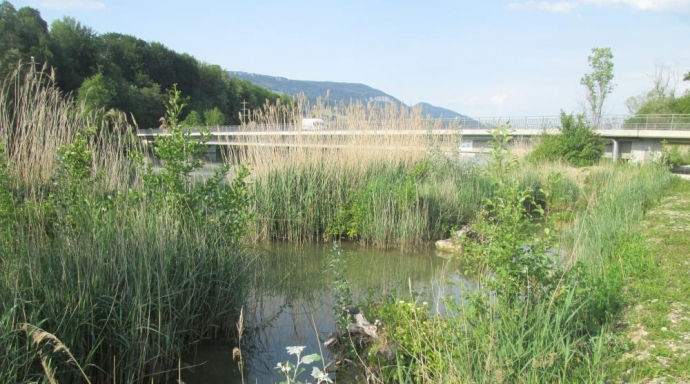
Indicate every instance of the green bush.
{"type": "Point", "coordinates": [678, 156]}
{"type": "Point", "coordinates": [577, 144]}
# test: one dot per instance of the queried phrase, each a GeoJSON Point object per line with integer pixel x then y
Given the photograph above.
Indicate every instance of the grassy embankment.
{"type": "Point", "coordinates": [107, 271]}
{"type": "Point", "coordinates": [655, 329]}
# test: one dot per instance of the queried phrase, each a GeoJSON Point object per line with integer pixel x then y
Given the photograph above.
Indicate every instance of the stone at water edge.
{"type": "Point", "coordinates": [454, 244]}
{"type": "Point", "coordinates": [448, 245]}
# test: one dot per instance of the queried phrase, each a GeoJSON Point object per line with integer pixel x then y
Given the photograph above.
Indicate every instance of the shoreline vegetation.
{"type": "Point", "coordinates": [109, 271]}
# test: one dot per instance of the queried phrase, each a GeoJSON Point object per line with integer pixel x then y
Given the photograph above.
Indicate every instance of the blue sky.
{"type": "Point", "coordinates": [480, 58]}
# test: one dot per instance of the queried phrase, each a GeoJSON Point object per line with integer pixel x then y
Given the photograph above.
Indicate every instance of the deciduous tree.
{"type": "Point", "coordinates": [599, 83]}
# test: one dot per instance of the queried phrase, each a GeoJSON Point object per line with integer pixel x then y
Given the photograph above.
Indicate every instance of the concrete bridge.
{"type": "Point", "coordinates": [633, 138]}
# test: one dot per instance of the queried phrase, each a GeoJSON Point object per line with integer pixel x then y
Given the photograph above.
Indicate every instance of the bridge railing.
{"type": "Point", "coordinates": [637, 122]}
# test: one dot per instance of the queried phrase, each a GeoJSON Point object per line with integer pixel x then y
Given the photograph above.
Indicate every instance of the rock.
{"type": "Point", "coordinates": [448, 245]}
{"type": "Point", "coordinates": [454, 244]}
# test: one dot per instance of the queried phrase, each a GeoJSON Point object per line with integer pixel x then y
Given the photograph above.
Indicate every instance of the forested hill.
{"type": "Point", "coordinates": [337, 92]}
{"type": "Point", "coordinates": [123, 72]}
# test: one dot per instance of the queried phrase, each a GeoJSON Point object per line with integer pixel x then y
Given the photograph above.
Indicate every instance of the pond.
{"type": "Point", "coordinates": [292, 304]}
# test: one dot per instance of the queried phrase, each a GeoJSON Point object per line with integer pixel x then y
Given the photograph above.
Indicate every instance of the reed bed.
{"type": "Point", "coordinates": [357, 181]}
{"type": "Point", "coordinates": [99, 279]}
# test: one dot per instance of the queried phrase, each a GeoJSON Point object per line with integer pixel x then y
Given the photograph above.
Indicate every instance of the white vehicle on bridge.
{"type": "Point", "coordinates": [313, 125]}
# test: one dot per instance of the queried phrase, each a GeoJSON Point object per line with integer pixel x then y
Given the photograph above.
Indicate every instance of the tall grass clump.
{"type": "Point", "coordinates": [108, 270]}
{"type": "Point", "coordinates": [354, 181]}
{"type": "Point", "coordinates": [386, 204]}
{"type": "Point", "coordinates": [617, 197]}
{"type": "Point", "coordinates": [545, 302]}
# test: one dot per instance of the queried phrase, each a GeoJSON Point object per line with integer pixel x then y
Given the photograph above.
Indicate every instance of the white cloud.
{"type": "Point", "coordinates": [648, 5]}
{"type": "Point", "coordinates": [70, 4]}
{"type": "Point", "coordinates": [682, 6]}
{"type": "Point", "coordinates": [548, 6]}
{"type": "Point", "coordinates": [498, 99]}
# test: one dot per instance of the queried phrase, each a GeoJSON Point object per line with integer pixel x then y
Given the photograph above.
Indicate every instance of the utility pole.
{"type": "Point", "coordinates": [245, 112]}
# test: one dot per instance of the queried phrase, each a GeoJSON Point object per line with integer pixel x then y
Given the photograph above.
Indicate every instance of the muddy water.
{"type": "Point", "coordinates": [292, 304]}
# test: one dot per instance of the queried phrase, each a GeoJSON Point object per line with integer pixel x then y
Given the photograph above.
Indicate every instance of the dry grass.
{"type": "Point", "coordinates": [36, 119]}
{"type": "Point", "coordinates": [357, 137]}
{"type": "Point", "coordinates": [39, 338]}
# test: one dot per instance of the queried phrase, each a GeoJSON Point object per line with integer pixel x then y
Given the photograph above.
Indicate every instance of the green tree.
{"type": "Point", "coordinates": [214, 117]}
{"type": "Point", "coordinates": [599, 82]}
{"type": "Point", "coordinates": [661, 99]}
{"type": "Point", "coordinates": [98, 91]}
{"type": "Point", "coordinates": [75, 52]}
{"type": "Point", "coordinates": [23, 35]}
{"type": "Point", "coordinates": [146, 104]}
{"type": "Point", "coordinates": [193, 120]}
{"type": "Point", "coordinates": [212, 90]}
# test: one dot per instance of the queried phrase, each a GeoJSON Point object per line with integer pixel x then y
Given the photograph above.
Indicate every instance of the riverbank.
{"type": "Point", "coordinates": [655, 328]}
{"type": "Point", "coordinates": [529, 319]}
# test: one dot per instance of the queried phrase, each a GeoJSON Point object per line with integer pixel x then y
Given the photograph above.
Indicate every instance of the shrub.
{"type": "Point", "coordinates": [577, 144]}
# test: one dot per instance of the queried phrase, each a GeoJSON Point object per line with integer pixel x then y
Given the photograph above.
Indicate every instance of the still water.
{"type": "Point", "coordinates": [292, 300]}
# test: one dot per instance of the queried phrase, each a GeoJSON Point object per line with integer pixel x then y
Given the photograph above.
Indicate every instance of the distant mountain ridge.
{"type": "Point", "coordinates": [337, 92]}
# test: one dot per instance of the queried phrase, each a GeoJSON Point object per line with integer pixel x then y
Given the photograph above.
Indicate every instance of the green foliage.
{"type": "Point", "coordinates": [577, 144]}
{"type": "Point", "coordinates": [75, 52]}
{"type": "Point", "coordinates": [661, 99]}
{"type": "Point", "coordinates": [193, 120]}
{"type": "Point", "coordinates": [342, 296]}
{"type": "Point", "coordinates": [599, 82]}
{"type": "Point", "coordinates": [23, 34]}
{"type": "Point", "coordinates": [214, 117]}
{"type": "Point", "coordinates": [132, 71]}
{"type": "Point", "coordinates": [216, 204]}
{"type": "Point", "coordinates": [98, 92]}
{"type": "Point", "coordinates": [678, 156]}
{"type": "Point", "coordinates": [537, 314]}
{"type": "Point", "coordinates": [511, 246]}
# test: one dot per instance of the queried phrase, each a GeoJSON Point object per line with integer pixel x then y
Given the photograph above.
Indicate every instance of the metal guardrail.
{"type": "Point", "coordinates": [634, 122]}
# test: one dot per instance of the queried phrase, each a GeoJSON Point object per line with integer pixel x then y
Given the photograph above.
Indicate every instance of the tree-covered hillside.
{"type": "Point", "coordinates": [342, 92]}
{"type": "Point", "coordinates": [123, 72]}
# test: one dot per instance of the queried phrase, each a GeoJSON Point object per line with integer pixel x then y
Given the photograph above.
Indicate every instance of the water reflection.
{"type": "Point", "coordinates": [292, 303]}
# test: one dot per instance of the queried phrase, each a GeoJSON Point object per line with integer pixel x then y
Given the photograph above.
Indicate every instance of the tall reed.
{"type": "Point", "coordinates": [93, 257]}
{"type": "Point", "coordinates": [355, 180]}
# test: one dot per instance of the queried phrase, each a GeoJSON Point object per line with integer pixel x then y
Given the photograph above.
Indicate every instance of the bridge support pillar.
{"type": "Point", "coordinates": [211, 153]}
{"type": "Point", "coordinates": [614, 150]}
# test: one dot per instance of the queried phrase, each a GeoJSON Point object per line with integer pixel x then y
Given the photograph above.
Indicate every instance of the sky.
{"type": "Point", "coordinates": [481, 58]}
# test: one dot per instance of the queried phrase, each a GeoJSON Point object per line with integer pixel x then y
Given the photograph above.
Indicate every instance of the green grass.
{"type": "Point", "coordinates": [385, 204]}
{"type": "Point", "coordinates": [656, 322]}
